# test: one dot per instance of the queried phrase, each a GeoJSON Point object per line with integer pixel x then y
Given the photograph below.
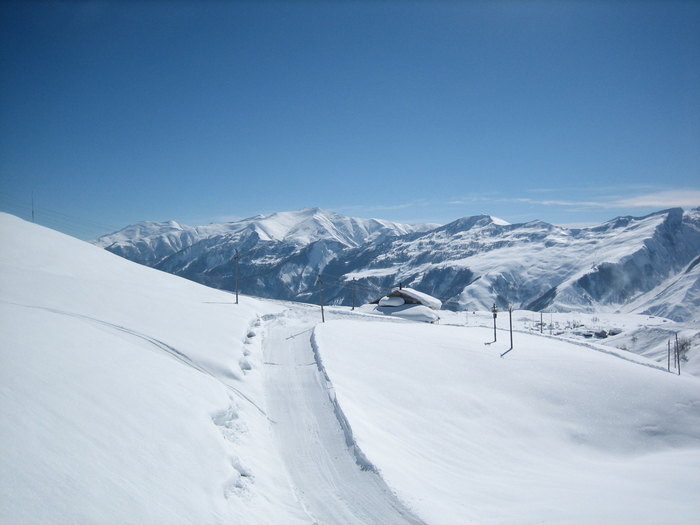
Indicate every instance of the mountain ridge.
{"type": "Point", "coordinates": [471, 263]}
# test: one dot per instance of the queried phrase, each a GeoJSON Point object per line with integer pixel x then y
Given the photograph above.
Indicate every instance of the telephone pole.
{"type": "Point", "coordinates": [353, 293]}
{"type": "Point", "coordinates": [495, 314]}
{"type": "Point", "coordinates": [236, 259]}
{"type": "Point", "coordinates": [510, 311]}
{"type": "Point", "coordinates": [320, 296]}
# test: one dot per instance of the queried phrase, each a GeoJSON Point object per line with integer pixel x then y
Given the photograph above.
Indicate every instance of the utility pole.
{"type": "Point", "coordinates": [236, 259]}
{"type": "Point", "coordinates": [320, 295]}
{"type": "Point", "coordinates": [541, 323]}
{"type": "Point", "coordinates": [675, 357]}
{"type": "Point", "coordinates": [495, 314]}
{"type": "Point", "coordinates": [678, 355]}
{"type": "Point", "coordinates": [510, 311]}
{"type": "Point", "coordinates": [353, 293]}
{"type": "Point", "coordinates": [669, 355]}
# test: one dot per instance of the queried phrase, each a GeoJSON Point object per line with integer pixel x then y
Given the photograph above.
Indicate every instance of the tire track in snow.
{"type": "Point", "coordinates": [330, 476]}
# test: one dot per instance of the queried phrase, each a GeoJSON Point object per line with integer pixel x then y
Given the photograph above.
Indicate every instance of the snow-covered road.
{"type": "Point", "coordinates": [324, 471]}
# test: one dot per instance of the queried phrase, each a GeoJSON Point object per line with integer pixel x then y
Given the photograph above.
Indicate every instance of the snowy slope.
{"type": "Point", "coordinates": [128, 395]}
{"type": "Point", "coordinates": [551, 433]}
{"type": "Point", "coordinates": [676, 298]}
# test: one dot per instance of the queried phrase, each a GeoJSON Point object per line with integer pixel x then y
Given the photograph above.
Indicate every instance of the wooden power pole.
{"type": "Point", "coordinates": [320, 296]}
{"type": "Point", "coordinates": [236, 259]}
{"type": "Point", "coordinates": [495, 314]}
{"type": "Point", "coordinates": [510, 311]}
{"type": "Point", "coordinates": [353, 293]}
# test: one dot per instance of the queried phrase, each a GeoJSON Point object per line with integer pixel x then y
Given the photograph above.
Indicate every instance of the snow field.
{"type": "Point", "coordinates": [123, 398]}
{"type": "Point", "coordinates": [639, 335]}
{"type": "Point", "coordinates": [552, 433]}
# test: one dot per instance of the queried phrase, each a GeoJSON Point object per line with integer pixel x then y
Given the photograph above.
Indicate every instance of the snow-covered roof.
{"type": "Point", "coordinates": [422, 298]}
{"type": "Point", "coordinates": [412, 312]}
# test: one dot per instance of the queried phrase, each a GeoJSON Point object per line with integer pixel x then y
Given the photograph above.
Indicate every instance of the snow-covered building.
{"type": "Point", "coordinates": [408, 304]}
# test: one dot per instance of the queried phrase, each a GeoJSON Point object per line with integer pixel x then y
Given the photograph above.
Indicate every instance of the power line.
{"type": "Point", "coordinates": [55, 219]}
{"type": "Point", "coordinates": [343, 282]}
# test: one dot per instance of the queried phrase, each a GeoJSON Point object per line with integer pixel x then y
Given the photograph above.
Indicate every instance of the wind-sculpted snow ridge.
{"type": "Point", "coordinates": [626, 264]}
{"type": "Point", "coordinates": [360, 458]}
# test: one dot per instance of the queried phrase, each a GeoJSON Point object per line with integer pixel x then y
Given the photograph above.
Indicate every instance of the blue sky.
{"type": "Point", "coordinates": [568, 112]}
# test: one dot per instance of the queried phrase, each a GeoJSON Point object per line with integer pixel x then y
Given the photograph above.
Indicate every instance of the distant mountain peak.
{"type": "Point", "coordinates": [468, 223]}
{"type": "Point", "coordinates": [499, 222]}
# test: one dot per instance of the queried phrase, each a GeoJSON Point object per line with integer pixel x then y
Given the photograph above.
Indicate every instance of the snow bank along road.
{"type": "Point", "coordinates": [330, 476]}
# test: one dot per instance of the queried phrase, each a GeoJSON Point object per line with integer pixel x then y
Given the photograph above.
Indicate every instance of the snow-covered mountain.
{"type": "Point", "coordinates": [155, 241]}
{"type": "Point", "coordinates": [642, 264]}
{"type": "Point", "coordinates": [473, 262]}
{"type": "Point", "coordinates": [281, 255]}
